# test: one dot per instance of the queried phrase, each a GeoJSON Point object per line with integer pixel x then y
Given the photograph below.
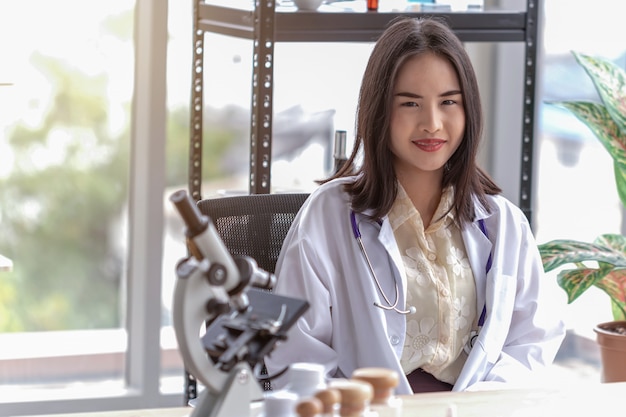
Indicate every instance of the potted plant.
{"type": "Point", "coordinates": [601, 263]}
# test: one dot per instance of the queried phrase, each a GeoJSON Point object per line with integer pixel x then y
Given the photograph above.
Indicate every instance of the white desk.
{"type": "Point", "coordinates": [593, 399]}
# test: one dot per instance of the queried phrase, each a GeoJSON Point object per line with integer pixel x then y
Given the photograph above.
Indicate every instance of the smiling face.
{"type": "Point", "coordinates": [427, 118]}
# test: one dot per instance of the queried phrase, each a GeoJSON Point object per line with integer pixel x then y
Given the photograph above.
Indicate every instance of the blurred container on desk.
{"type": "Point", "coordinates": [6, 264]}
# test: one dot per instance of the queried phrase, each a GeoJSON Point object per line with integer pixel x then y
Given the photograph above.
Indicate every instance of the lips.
{"type": "Point", "coordinates": [429, 145]}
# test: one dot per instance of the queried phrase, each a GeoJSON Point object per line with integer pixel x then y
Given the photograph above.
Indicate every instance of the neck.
{"type": "Point", "coordinates": [424, 192]}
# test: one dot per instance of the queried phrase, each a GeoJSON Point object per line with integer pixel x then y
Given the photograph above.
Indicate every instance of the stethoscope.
{"type": "Point", "coordinates": [390, 306]}
{"type": "Point", "coordinates": [394, 306]}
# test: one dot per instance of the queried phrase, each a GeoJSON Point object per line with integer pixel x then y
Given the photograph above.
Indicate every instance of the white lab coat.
{"type": "Point", "coordinates": [321, 262]}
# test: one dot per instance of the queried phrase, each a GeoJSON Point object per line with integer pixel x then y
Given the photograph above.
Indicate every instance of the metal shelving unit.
{"type": "Point", "coordinates": [266, 24]}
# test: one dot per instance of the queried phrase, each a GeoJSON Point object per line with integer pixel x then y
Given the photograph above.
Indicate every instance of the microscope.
{"type": "Point", "coordinates": [227, 299]}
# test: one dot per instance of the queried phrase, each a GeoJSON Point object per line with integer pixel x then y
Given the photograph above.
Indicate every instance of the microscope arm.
{"type": "Point", "coordinates": [190, 316]}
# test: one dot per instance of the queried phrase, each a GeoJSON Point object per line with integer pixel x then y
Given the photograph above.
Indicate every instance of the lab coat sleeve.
{"type": "Point", "coordinates": [536, 330]}
{"type": "Point", "coordinates": [302, 274]}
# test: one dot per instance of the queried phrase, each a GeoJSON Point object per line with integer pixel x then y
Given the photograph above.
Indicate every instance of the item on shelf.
{"type": "Point", "coordinates": [372, 5]}
{"type": "Point", "coordinates": [340, 156]}
{"type": "Point", "coordinates": [310, 5]}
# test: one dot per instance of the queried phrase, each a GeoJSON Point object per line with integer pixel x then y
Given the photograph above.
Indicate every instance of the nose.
{"type": "Point", "coordinates": [430, 119]}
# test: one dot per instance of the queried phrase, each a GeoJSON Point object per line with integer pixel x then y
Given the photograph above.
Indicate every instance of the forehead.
{"type": "Point", "coordinates": [427, 69]}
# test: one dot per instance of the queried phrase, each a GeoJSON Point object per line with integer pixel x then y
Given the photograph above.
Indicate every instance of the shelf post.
{"type": "Point", "coordinates": [528, 113]}
{"type": "Point", "coordinates": [262, 101]}
{"type": "Point", "coordinates": [195, 148]}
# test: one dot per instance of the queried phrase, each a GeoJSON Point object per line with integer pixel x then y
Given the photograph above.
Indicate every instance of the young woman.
{"type": "Point", "coordinates": [409, 256]}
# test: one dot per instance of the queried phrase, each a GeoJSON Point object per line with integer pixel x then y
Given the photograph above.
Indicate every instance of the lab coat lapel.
{"type": "Point", "coordinates": [388, 240]}
{"type": "Point", "coordinates": [478, 247]}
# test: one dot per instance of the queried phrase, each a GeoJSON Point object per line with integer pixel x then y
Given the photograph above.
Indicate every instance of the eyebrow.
{"type": "Point", "coordinates": [413, 95]}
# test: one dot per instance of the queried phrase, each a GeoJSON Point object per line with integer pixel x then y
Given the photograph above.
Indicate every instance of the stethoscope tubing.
{"type": "Point", "coordinates": [390, 306]}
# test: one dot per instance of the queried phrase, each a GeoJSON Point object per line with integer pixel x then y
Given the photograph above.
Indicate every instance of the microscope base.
{"type": "Point", "coordinates": [235, 400]}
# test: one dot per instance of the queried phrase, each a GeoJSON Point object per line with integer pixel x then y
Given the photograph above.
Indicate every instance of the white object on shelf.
{"type": "Point", "coordinates": [308, 4]}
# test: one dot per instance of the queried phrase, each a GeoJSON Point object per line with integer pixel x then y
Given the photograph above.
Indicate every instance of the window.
{"type": "Point", "coordinates": [575, 192]}
{"type": "Point", "coordinates": [81, 206]}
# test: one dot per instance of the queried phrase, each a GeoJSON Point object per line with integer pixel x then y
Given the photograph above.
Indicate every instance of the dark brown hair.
{"type": "Point", "coordinates": [376, 185]}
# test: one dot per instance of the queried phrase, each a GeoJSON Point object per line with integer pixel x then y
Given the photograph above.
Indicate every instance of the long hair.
{"type": "Point", "coordinates": [376, 185]}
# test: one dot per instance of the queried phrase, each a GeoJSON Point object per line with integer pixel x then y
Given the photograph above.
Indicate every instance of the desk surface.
{"type": "Point", "coordinates": [589, 400]}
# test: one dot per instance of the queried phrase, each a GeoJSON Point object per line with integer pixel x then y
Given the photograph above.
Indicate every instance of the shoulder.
{"type": "Point", "coordinates": [505, 217]}
{"type": "Point", "coordinates": [499, 206]}
{"type": "Point", "coordinates": [325, 208]}
{"type": "Point", "coordinates": [329, 196]}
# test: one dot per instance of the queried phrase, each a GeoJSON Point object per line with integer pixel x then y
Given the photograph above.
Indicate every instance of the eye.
{"type": "Point", "coordinates": [409, 104]}
{"type": "Point", "coordinates": [448, 102]}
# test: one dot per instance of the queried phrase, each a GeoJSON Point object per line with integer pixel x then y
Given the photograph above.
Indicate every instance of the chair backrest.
{"type": "Point", "coordinates": [254, 225]}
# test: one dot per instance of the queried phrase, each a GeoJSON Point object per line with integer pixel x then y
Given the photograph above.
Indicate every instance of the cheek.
{"type": "Point", "coordinates": [458, 126]}
{"type": "Point", "coordinates": [400, 121]}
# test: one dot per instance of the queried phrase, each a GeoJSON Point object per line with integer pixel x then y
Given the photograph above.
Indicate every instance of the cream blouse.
{"type": "Point", "coordinates": [440, 285]}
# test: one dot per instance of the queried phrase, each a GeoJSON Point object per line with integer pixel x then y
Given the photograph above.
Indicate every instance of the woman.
{"type": "Point", "coordinates": [447, 287]}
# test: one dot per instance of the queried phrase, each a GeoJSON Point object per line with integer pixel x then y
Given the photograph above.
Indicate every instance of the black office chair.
{"type": "Point", "coordinates": [253, 225]}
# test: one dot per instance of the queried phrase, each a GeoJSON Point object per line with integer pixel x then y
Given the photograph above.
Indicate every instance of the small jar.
{"type": "Point", "coordinates": [279, 404]}
{"type": "Point", "coordinates": [355, 397]}
{"type": "Point", "coordinates": [384, 382]}
{"type": "Point", "coordinates": [305, 379]}
{"type": "Point", "coordinates": [309, 407]}
{"type": "Point", "coordinates": [331, 400]}
{"type": "Point", "coordinates": [372, 5]}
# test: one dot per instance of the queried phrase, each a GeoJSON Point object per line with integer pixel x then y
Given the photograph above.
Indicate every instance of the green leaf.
{"type": "Point", "coordinates": [619, 311]}
{"type": "Point", "coordinates": [614, 284]}
{"type": "Point", "coordinates": [561, 252]}
{"type": "Point", "coordinates": [620, 181]}
{"type": "Point", "coordinates": [599, 121]}
{"type": "Point", "coordinates": [610, 81]}
{"type": "Point", "coordinates": [613, 241]}
{"type": "Point", "coordinates": [576, 281]}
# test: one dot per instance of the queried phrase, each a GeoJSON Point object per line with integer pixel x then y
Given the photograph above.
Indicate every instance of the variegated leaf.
{"type": "Point", "coordinates": [561, 252]}
{"type": "Point", "coordinates": [619, 311]}
{"type": "Point", "coordinates": [576, 281]}
{"type": "Point", "coordinates": [597, 118]}
{"type": "Point", "coordinates": [620, 181]}
{"type": "Point", "coordinates": [613, 241]}
{"type": "Point", "coordinates": [610, 81]}
{"type": "Point", "coordinates": [614, 284]}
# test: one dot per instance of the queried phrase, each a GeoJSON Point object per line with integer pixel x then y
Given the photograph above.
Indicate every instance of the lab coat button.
{"type": "Point", "coordinates": [432, 256]}
{"type": "Point", "coordinates": [394, 340]}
